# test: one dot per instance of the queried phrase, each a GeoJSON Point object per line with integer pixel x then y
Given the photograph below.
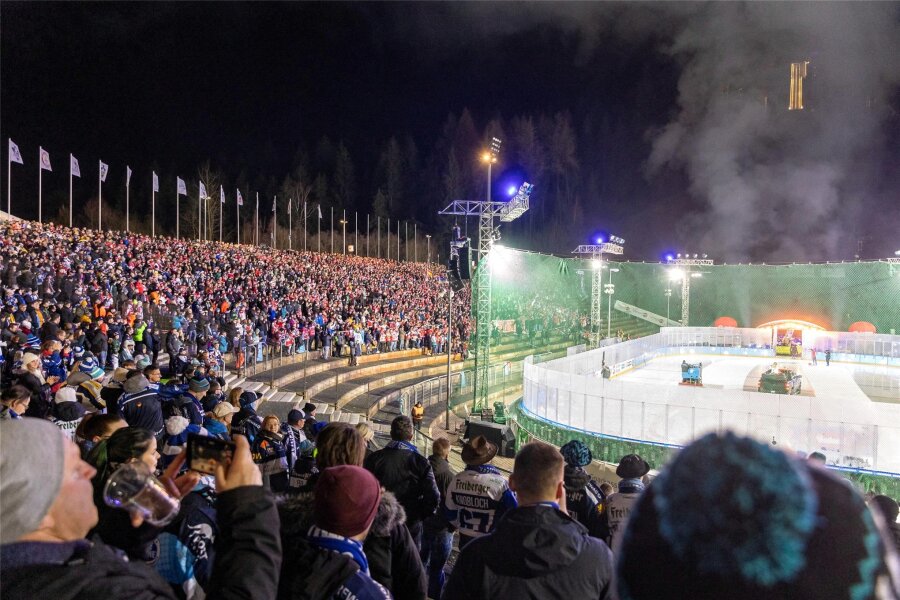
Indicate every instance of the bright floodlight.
{"type": "Point", "coordinates": [600, 240]}
{"type": "Point", "coordinates": [676, 274]}
{"type": "Point", "coordinates": [511, 190]}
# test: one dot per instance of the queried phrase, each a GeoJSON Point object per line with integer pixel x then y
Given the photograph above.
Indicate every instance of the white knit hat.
{"type": "Point", "coordinates": [32, 455]}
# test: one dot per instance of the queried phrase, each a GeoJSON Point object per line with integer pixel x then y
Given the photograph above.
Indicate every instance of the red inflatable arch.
{"type": "Point", "coordinates": [725, 322]}
{"type": "Point", "coordinates": [862, 327]}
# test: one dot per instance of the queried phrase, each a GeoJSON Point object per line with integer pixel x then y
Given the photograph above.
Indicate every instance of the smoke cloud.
{"type": "Point", "coordinates": [778, 182]}
{"type": "Point", "coordinates": [769, 183]}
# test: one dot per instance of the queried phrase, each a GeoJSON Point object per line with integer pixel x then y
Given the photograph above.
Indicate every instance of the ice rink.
{"type": "Point", "coordinates": [842, 393]}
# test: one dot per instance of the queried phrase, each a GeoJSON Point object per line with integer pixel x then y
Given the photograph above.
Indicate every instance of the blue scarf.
{"type": "Point", "coordinates": [402, 446]}
{"type": "Point", "coordinates": [484, 469]}
{"type": "Point", "coordinates": [340, 544]}
{"type": "Point", "coordinates": [631, 486]}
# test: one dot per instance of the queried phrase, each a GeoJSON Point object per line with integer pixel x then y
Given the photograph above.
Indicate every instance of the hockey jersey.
{"type": "Point", "coordinates": [476, 498]}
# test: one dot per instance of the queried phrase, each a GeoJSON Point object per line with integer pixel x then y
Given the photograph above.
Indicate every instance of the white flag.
{"type": "Point", "coordinates": [76, 170]}
{"type": "Point", "coordinates": [155, 182]}
{"type": "Point", "coordinates": [240, 198]}
{"type": "Point", "coordinates": [274, 203]}
{"type": "Point", "coordinates": [104, 169]}
{"type": "Point", "coordinates": [14, 154]}
{"type": "Point", "coordinates": [320, 210]}
{"type": "Point", "coordinates": [45, 160]}
{"type": "Point", "coordinates": [202, 190]}
{"type": "Point", "coordinates": [182, 189]}
{"type": "Point", "coordinates": [221, 194]}
{"type": "Point", "coordinates": [127, 175]}
{"type": "Point", "coordinates": [290, 201]}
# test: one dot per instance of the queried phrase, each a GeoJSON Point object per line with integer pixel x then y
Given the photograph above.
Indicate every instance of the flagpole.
{"type": "Point", "coordinates": [290, 226]}
{"type": "Point", "coordinates": [274, 222]}
{"type": "Point", "coordinates": [332, 230]}
{"type": "Point", "coordinates": [398, 240]}
{"type": "Point", "coordinates": [378, 218]}
{"type": "Point", "coordinates": [415, 245]}
{"type": "Point", "coordinates": [9, 183]}
{"type": "Point", "coordinates": [406, 236]}
{"type": "Point", "coordinates": [304, 226]}
{"type": "Point", "coordinates": [356, 232]}
{"type": "Point", "coordinates": [127, 204]}
{"type": "Point", "coordinates": [199, 214]}
{"type": "Point", "coordinates": [368, 234]}
{"type": "Point", "coordinates": [177, 214]}
{"type": "Point", "coordinates": [237, 209]}
{"type": "Point", "coordinates": [70, 191]}
{"type": "Point", "coordinates": [40, 176]}
{"type": "Point", "coordinates": [220, 218]}
{"type": "Point", "coordinates": [99, 198]}
{"type": "Point", "coordinates": [319, 233]}
{"type": "Point", "coordinates": [153, 210]}
{"type": "Point", "coordinates": [256, 233]}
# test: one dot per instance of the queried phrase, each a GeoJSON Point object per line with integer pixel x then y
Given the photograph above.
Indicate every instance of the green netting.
{"type": "Point", "coordinates": [832, 296]}
{"type": "Point", "coordinates": [540, 287]}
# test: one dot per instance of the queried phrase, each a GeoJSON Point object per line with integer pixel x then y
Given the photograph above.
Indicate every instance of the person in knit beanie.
{"type": "Point", "coordinates": [584, 498]}
{"type": "Point", "coordinates": [345, 504]}
{"type": "Point", "coordinates": [734, 518]}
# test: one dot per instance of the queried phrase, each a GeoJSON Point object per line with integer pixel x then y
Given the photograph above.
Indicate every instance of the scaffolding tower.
{"type": "Point", "coordinates": [685, 265]}
{"type": "Point", "coordinates": [488, 233]}
{"type": "Point", "coordinates": [596, 251]}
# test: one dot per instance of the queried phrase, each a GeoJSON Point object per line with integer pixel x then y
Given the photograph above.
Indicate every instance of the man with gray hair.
{"type": "Point", "coordinates": [48, 508]}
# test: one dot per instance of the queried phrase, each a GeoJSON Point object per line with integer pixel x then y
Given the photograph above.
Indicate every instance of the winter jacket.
{"type": "Point", "coordinates": [269, 453]}
{"type": "Point", "coordinates": [246, 423]}
{"type": "Point", "coordinates": [617, 509]}
{"type": "Point", "coordinates": [584, 501]}
{"type": "Point", "coordinates": [408, 475]}
{"type": "Point", "coordinates": [443, 475]}
{"type": "Point", "coordinates": [185, 406]}
{"type": "Point", "coordinates": [393, 558]}
{"type": "Point", "coordinates": [40, 405]}
{"type": "Point", "coordinates": [141, 407]}
{"type": "Point", "coordinates": [110, 394]}
{"type": "Point", "coordinates": [187, 545]}
{"type": "Point", "coordinates": [248, 559]}
{"type": "Point", "coordinates": [535, 552]}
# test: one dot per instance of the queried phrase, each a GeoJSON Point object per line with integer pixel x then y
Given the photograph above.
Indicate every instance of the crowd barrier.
{"type": "Point", "coordinates": [571, 391]}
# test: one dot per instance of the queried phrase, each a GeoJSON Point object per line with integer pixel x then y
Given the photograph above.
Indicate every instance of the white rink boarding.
{"type": "Point", "coordinates": [848, 411]}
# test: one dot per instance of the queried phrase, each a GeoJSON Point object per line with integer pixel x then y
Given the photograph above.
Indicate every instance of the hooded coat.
{"type": "Point", "coordinates": [584, 501]}
{"type": "Point", "coordinates": [393, 558]}
{"type": "Point", "coordinates": [534, 552]}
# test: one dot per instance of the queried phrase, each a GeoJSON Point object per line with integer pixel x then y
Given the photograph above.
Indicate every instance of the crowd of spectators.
{"type": "Point", "coordinates": [308, 509]}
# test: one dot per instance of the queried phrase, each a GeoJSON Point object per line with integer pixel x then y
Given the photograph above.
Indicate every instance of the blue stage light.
{"type": "Point", "coordinates": [511, 191]}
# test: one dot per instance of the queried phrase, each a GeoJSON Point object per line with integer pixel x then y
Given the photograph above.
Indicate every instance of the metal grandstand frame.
{"type": "Point", "coordinates": [596, 251]}
{"type": "Point", "coordinates": [488, 233]}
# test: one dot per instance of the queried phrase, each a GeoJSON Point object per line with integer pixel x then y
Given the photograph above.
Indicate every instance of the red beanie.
{"type": "Point", "coordinates": [347, 499]}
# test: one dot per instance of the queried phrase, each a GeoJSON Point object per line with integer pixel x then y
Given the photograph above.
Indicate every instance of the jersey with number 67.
{"type": "Point", "coordinates": [476, 498]}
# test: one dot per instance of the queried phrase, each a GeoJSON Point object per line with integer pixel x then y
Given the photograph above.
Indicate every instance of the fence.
{"type": "Point", "coordinates": [849, 428]}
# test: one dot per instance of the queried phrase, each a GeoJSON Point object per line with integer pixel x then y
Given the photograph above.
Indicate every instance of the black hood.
{"type": "Point", "coordinates": [547, 539]}
{"type": "Point", "coordinates": [576, 478]}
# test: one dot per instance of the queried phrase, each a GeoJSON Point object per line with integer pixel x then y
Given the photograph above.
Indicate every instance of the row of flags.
{"type": "Point", "coordinates": [181, 187]}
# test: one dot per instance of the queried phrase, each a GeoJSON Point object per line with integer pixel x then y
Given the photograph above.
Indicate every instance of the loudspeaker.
{"type": "Point", "coordinates": [453, 274]}
{"type": "Point", "coordinates": [499, 435]}
{"type": "Point", "coordinates": [465, 262]}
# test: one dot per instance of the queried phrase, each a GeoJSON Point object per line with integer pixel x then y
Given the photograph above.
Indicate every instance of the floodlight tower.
{"type": "Point", "coordinates": [595, 251]}
{"type": "Point", "coordinates": [684, 274]}
{"type": "Point", "coordinates": [486, 211]}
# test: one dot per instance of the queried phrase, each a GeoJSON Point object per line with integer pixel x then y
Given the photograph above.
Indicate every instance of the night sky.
{"type": "Point", "coordinates": [250, 87]}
